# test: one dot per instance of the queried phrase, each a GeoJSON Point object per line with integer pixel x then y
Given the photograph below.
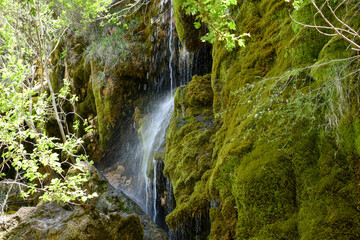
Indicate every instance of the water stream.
{"type": "Point", "coordinates": [153, 134]}
{"type": "Point", "coordinates": [138, 167]}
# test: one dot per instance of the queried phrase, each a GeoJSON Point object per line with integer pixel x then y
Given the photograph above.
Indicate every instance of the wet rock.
{"type": "Point", "coordinates": [10, 198]}
{"type": "Point", "coordinates": [114, 200]}
{"type": "Point", "coordinates": [7, 221]}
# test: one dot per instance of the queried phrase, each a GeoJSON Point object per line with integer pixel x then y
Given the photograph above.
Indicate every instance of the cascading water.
{"type": "Point", "coordinates": [139, 166]}
{"type": "Point", "coordinates": [153, 137]}
{"type": "Point", "coordinates": [153, 141]}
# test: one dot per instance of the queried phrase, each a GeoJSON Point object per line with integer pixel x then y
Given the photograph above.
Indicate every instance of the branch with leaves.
{"type": "Point", "coordinates": [215, 15]}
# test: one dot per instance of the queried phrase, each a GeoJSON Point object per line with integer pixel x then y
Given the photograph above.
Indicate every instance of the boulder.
{"type": "Point", "coordinates": [112, 215]}
{"type": "Point", "coordinates": [52, 221]}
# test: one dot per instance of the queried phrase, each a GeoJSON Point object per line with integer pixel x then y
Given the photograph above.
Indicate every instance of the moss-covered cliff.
{"type": "Point", "coordinates": [280, 156]}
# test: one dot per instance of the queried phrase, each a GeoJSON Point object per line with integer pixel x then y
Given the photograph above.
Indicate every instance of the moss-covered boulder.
{"type": "Point", "coordinates": [113, 96]}
{"type": "Point", "coordinates": [112, 215]}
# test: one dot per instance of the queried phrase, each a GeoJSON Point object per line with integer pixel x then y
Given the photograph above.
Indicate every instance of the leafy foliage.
{"type": "Point", "coordinates": [215, 14]}
{"type": "Point", "coordinates": [29, 33]}
{"type": "Point", "coordinates": [26, 145]}
{"type": "Point", "coordinates": [113, 43]}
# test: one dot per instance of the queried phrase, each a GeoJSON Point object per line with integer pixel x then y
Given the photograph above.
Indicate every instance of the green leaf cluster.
{"type": "Point", "coordinates": [215, 14]}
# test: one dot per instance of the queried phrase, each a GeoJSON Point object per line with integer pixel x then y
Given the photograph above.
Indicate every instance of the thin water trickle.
{"type": "Point", "coordinates": [171, 48]}
{"type": "Point", "coordinates": [153, 136]}
{"type": "Point", "coordinates": [155, 190]}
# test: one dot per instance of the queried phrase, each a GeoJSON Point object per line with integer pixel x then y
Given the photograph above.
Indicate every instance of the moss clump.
{"type": "Point", "coordinates": [335, 48]}
{"type": "Point", "coordinates": [330, 192]}
{"type": "Point", "coordinates": [199, 96]}
{"type": "Point", "coordinates": [189, 150]}
{"type": "Point", "coordinates": [264, 190]}
{"type": "Point", "coordinates": [88, 106]}
{"type": "Point", "coordinates": [197, 204]}
{"type": "Point", "coordinates": [199, 91]}
{"type": "Point", "coordinates": [223, 220]}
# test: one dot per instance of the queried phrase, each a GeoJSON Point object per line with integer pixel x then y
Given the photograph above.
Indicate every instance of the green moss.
{"type": "Point", "coordinates": [335, 48]}
{"type": "Point", "coordinates": [131, 228]}
{"type": "Point", "coordinates": [88, 105]}
{"type": "Point", "coordinates": [113, 94]}
{"type": "Point", "coordinates": [305, 47]}
{"type": "Point", "coordinates": [329, 199]}
{"type": "Point", "coordinates": [197, 204]}
{"type": "Point", "coordinates": [264, 190]}
{"type": "Point", "coordinates": [219, 227]}
{"type": "Point", "coordinates": [189, 149]}
{"type": "Point", "coordinates": [274, 173]}
{"type": "Point", "coordinates": [199, 96]}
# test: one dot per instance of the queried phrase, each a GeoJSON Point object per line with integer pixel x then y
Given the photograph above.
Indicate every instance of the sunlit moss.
{"type": "Point", "coordinates": [278, 166]}
{"type": "Point", "coordinates": [189, 149]}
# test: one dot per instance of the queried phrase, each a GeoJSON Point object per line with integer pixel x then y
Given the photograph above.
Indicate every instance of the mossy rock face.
{"type": "Point", "coordinates": [199, 92]}
{"type": "Point", "coordinates": [107, 81]}
{"type": "Point", "coordinates": [284, 159]}
{"type": "Point", "coordinates": [189, 150]}
{"type": "Point", "coordinates": [51, 221]}
{"type": "Point", "coordinates": [114, 96]}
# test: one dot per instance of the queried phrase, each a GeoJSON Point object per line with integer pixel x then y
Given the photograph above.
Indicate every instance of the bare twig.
{"type": "Point", "coordinates": [338, 32]}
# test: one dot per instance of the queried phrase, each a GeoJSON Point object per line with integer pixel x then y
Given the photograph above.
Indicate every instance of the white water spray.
{"type": "Point", "coordinates": [153, 134]}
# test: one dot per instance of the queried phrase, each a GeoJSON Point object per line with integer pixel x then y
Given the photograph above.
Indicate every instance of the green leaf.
{"type": "Point", "coordinates": [232, 25]}
{"type": "Point", "coordinates": [241, 42]}
{"type": "Point", "coordinates": [33, 11]}
{"type": "Point", "coordinates": [197, 25]}
{"type": "Point", "coordinates": [63, 54]}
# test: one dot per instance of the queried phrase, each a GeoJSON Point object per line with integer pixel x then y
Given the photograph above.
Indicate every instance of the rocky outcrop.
{"type": "Point", "coordinates": [188, 157]}
{"type": "Point", "coordinates": [114, 200]}
{"type": "Point", "coordinates": [273, 131]}
{"type": "Point", "coordinates": [111, 216]}
{"type": "Point", "coordinates": [51, 221]}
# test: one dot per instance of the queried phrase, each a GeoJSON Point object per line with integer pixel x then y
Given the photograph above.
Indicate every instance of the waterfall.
{"type": "Point", "coordinates": [131, 166]}
{"type": "Point", "coordinates": [137, 163]}
{"type": "Point", "coordinates": [153, 141]}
